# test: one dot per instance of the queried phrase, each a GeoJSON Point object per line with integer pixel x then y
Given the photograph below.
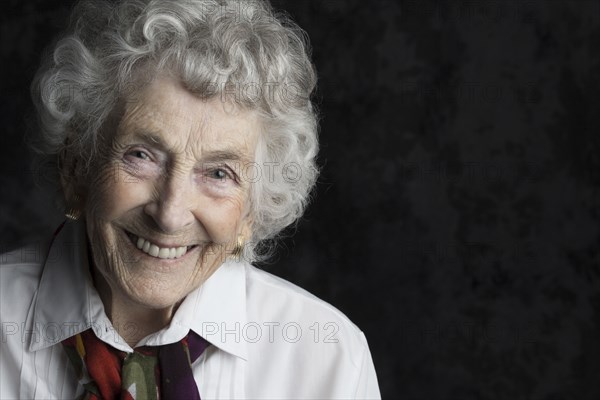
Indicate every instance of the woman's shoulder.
{"type": "Point", "coordinates": [20, 275]}
{"type": "Point", "coordinates": [275, 299]}
{"type": "Point", "coordinates": [264, 285]}
{"type": "Point", "coordinates": [288, 326]}
{"type": "Point", "coordinates": [21, 269]}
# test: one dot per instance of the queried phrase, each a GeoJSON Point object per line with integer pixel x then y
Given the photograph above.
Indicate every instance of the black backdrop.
{"type": "Point", "coordinates": [456, 220]}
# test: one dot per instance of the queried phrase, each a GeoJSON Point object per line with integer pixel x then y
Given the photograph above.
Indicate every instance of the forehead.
{"type": "Point", "coordinates": [166, 111]}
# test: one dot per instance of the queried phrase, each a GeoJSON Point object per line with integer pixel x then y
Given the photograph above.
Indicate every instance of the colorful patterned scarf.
{"type": "Point", "coordinates": [153, 373]}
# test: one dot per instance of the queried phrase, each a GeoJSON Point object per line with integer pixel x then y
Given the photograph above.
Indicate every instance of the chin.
{"type": "Point", "coordinates": [159, 283]}
{"type": "Point", "coordinates": [151, 301]}
{"type": "Point", "coordinates": [145, 278]}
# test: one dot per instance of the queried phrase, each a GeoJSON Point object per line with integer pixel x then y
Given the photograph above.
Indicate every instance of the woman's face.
{"type": "Point", "coordinates": [166, 204]}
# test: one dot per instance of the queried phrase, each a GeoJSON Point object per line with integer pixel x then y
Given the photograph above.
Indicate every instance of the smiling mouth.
{"type": "Point", "coordinates": [153, 250]}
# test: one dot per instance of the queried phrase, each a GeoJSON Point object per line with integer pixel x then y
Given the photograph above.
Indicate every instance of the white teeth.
{"type": "Point", "coordinates": [155, 251]}
{"type": "Point", "coordinates": [164, 253]}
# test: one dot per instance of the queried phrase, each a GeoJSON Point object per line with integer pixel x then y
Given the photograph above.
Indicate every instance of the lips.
{"type": "Point", "coordinates": [154, 250]}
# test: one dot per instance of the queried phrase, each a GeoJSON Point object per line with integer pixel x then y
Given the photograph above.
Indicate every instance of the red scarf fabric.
{"type": "Point", "coordinates": [161, 373]}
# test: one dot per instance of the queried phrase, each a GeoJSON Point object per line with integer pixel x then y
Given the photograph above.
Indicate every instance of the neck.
{"type": "Point", "coordinates": [131, 320]}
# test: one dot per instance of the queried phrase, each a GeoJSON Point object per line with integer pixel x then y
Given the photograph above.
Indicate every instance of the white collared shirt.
{"type": "Point", "coordinates": [270, 339]}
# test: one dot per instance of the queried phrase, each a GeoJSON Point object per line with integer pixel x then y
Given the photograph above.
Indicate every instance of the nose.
{"type": "Point", "coordinates": [173, 203]}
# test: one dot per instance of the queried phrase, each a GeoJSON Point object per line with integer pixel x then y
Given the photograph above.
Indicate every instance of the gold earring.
{"type": "Point", "coordinates": [73, 212]}
{"type": "Point", "coordinates": [239, 248]}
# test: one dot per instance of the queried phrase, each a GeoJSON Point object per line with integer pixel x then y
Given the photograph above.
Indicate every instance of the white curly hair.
{"type": "Point", "coordinates": [241, 50]}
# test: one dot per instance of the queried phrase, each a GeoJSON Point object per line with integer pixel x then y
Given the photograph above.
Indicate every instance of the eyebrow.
{"type": "Point", "coordinates": [220, 155]}
{"type": "Point", "coordinates": [151, 138]}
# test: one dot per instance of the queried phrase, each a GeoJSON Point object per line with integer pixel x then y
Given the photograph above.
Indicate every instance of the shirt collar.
{"type": "Point", "coordinates": [61, 305]}
{"type": "Point", "coordinates": [67, 303]}
{"type": "Point", "coordinates": [217, 309]}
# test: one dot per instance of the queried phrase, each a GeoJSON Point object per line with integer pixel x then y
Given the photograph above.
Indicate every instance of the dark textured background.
{"type": "Point", "coordinates": [457, 216]}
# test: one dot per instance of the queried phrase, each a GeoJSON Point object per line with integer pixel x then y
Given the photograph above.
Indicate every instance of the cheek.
{"type": "Point", "coordinates": [111, 195]}
{"type": "Point", "coordinates": [222, 219]}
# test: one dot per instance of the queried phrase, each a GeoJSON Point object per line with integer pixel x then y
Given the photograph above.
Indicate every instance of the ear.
{"type": "Point", "coordinates": [243, 236]}
{"type": "Point", "coordinates": [245, 228]}
{"type": "Point", "coordinates": [71, 177]}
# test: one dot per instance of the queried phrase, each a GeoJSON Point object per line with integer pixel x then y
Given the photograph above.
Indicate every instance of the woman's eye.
{"type": "Point", "coordinates": [140, 154]}
{"type": "Point", "coordinates": [219, 174]}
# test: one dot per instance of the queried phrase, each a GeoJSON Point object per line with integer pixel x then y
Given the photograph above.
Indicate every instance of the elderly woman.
{"type": "Point", "coordinates": [184, 141]}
